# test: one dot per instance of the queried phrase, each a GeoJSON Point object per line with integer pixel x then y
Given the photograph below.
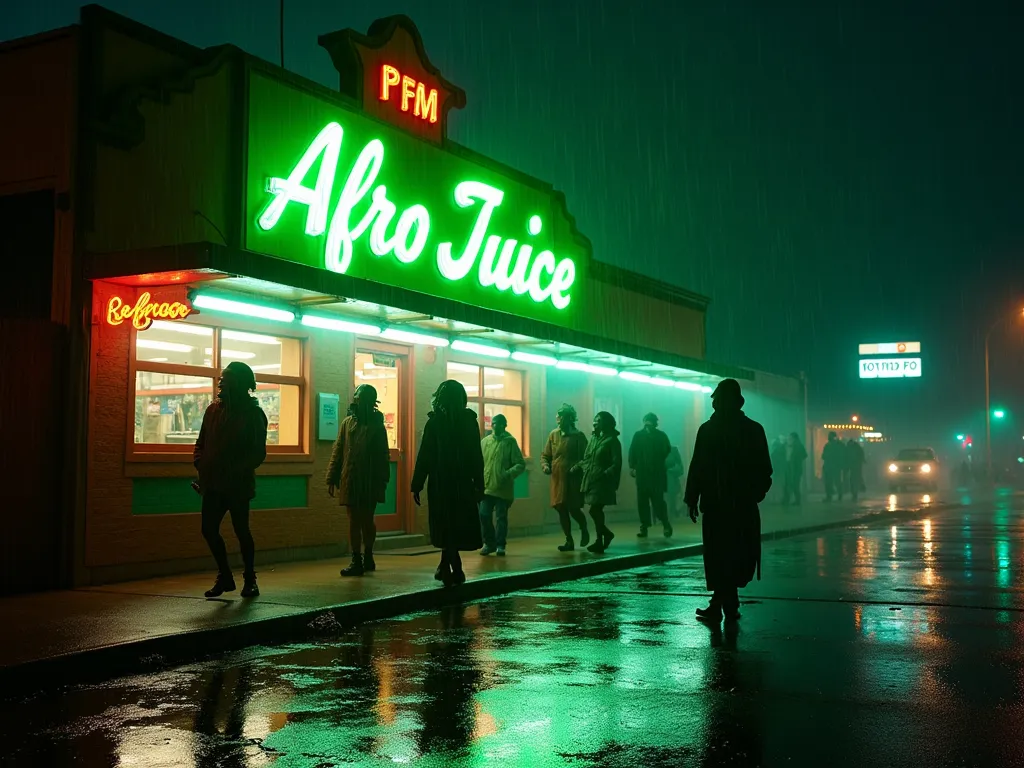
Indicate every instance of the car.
{"type": "Point", "coordinates": [914, 467]}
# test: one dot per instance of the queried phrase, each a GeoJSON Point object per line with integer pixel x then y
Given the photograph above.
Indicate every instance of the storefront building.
{"type": "Point", "coordinates": [230, 210]}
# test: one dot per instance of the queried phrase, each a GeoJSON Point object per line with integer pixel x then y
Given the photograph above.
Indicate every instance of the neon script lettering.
{"type": "Point", "coordinates": [145, 310]}
{"type": "Point", "coordinates": [498, 262]}
{"type": "Point", "coordinates": [411, 92]}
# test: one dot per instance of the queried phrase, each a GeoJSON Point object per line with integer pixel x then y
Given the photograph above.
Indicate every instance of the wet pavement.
{"type": "Point", "coordinates": [890, 646]}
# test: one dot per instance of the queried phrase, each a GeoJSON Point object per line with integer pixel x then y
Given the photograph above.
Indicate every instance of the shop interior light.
{"type": "Point", "coordinates": [252, 338]}
{"type": "Point", "coordinates": [576, 365]}
{"type": "Point", "coordinates": [641, 378]}
{"type": "Point", "coordinates": [472, 348]}
{"type": "Point", "coordinates": [534, 358]}
{"type": "Point", "coordinates": [192, 330]}
{"type": "Point", "coordinates": [464, 367]}
{"type": "Point", "coordinates": [706, 390]}
{"type": "Point", "coordinates": [658, 381]}
{"type": "Point", "coordinates": [337, 324]}
{"type": "Point", "coordinates": [411, 337]}
{"type": "Point", "coordinates": [163, 346]}
{"type": "Point", "coordinates": [689, 386]}
{"type": "Point", "coordinates": [233, 307]}
{"type": "Point", "coordinates": [232, 354]}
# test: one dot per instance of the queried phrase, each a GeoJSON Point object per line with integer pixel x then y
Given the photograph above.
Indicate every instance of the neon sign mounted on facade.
{"type": "Point", "coordinates": [336, 190]}
{"type": "Point", "coordinates": [143, 312]}
{"type": "Point", "coordinates": [409, 92]}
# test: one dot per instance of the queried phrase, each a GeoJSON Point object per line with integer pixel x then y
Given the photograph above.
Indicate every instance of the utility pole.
{"type": "Point", "coordinates": [281, 27]}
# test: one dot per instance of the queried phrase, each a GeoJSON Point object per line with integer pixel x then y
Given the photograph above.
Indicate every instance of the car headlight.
{"type": "Point", "coordinates": [893, 468]}
{"type": "Point", "coordinates": [926, 468]}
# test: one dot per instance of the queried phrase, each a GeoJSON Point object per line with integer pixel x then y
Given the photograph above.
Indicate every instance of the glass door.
{"type": "Point", "coordinates": [384, 371]}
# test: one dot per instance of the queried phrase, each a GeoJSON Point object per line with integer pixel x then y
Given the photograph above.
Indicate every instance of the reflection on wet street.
{"type": "Point", "coordinates": [898, 645]}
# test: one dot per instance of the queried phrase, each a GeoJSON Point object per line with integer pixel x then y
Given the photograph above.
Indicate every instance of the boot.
{"type": "Point", "coordinates": [584, 536]}
{"type": "Point", "coordinates": [369, 564]}
{"type": "Point", "coordinates": [604, 538]}
{"type": "Point", "coordinates": [643, 532]}
{"type": "Point", "coordinates": [667, 529]}
{"type": "Point", "coordinates": [355, 568]}
{"type": "Point", "coordinates": [569, 546]}
{"type": "Point", "coordinates": [225, 583]}
{"type": "Point", "coordinates": [444, 569]}
{"type": "Point", "coordinates": [249, 587]}
{"type": "Point", "coordinates": [711, 614]}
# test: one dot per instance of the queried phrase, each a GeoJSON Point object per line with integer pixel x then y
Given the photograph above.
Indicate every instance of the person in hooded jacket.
{"type": "Point", "coordinates": [451, 465]}
{"type": "Point", "coordinates": [358, 474]}
{"type": "Point", "coordinates": [232, 442]}
{"type": "Point", "coordinates": [730, 474]}
{"type": "Point", "coordinates": [648, 453]}
{"type": "Point", "coordinates": [601, 470]}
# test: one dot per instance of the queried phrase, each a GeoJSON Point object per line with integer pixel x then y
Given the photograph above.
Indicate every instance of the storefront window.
{"type": "Point", "coordinates": [381, 371]}
{"type": "Point", "coordinates": [177, 366]}
{"type": "Point", "coordinates": [492, 391]}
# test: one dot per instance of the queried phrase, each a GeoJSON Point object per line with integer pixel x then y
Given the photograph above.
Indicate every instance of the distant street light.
{"type": "Point", "coordinates": [988, 402]}
{"type": "Point", "coordinates": [960, 438]}
{"type": "Point", "coordinates": [998, 413]}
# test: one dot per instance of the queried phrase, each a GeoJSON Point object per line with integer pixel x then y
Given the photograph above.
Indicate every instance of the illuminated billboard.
{"type": "Point", "coordinates": [890, 368]}
{"type": "Point", "coordinates": [892, 348]}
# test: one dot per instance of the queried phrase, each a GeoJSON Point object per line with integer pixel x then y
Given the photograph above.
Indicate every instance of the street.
{"type": "Point", "coordinates": [897, 645]}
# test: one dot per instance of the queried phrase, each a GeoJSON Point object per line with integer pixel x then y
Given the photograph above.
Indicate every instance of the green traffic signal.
{"type": "Point", "coordinates": [960, 438]}
{"type": "Point", "coordinates": [998, 413]}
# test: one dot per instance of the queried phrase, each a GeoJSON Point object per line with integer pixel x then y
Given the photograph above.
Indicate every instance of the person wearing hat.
{"type": "Point", "coordinates": [648, 452]}
{"type": "Point", "coordinates": [730, 474]}
{"type": "Point", "coordinates": [503, 463]}
{"type": "Point", "coordinates": [232, 442]}
{"type": "Point", "coordinates": [358, 474]}
{"type": "Point", "coordinates": [564, 449]}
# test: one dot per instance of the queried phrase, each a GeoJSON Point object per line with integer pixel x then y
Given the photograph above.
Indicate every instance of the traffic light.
{"type": "Point", "coordinates": [998, 413]}
{"type": "Point", "coordinates": [960, 438]}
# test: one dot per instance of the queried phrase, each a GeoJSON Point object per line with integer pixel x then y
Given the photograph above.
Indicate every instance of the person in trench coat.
{"type": "Point", "coordinates": [564, 449]}
{"type": "Point", "coordinates": [451, 465]}
{"type": "Point", "coordinates": [730, 474]}
{"type": "Point", "coordinates": [601, 470]}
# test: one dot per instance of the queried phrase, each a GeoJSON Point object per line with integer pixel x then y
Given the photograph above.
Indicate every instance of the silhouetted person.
{"type": "Point", "coordinates": [503, 463]}
{"type": "Point", "coordinates": [450, 460]}
{"type": "Point", "coordinates": [232, 442]}
{"type": "Point", "coordinates": [359, 471]}
{"type": "Point", "coordinates": [833, 460]}
{"type": "Point", "coordinates": [730, 474]}
{"type": "Point", "coordinates": [793, 468]}
{"type": "Point", "coordinates": [648, 452]}
{"type": "Point", "coordinates": [778, 454]}
{"type": "Point", "coordinates": [674, 469]}
{"type": "Point", "coordinates": [855, 467]}
{"type": "Point", "coordinates": [602, 470]}
{"type": "Point", "coordinates": [564, 449]}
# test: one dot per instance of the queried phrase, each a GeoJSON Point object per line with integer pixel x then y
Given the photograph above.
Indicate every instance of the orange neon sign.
{"type": "Point", "coordinates": [145, 310]}
{"type": "Point", "coordinates": [412, 93]}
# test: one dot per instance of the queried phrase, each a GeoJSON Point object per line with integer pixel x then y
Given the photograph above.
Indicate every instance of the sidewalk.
{"type": "Point", "coordinates": [112, 628]}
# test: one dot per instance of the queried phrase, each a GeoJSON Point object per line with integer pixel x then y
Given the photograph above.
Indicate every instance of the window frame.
{"type": "Point", "coordinates": [182, 452]}
{"type": "Point", "coordinates": [477, 403]}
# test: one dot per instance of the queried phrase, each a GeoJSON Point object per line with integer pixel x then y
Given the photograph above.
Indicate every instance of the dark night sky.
{"type": "Point", "coordinates": [828, 171]}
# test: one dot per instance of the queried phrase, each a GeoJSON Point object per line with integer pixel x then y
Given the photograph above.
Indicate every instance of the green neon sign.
{"type": "Point", "coordinates": [339, 191]}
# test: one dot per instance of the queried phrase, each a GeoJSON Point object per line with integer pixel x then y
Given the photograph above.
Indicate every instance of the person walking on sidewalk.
{"type": "Point", "coordinates": [564, 449]}
{"type": "Point", "coordinates": [451, 462]}
{"type": "Point", "coordinates": [833, 460]}
{"type": "Point", "coordinates": [232, 442]}
{"type": "Point", "coordinates": [503, 463]}
{"type": "Point", "coordinates": [793, 469]}
{"type": "Point", "coordinates": [730, 474]}
{"type": "Point", "coordinates": [855, 467]}
{"type": "Point", "coordinates": [675, 469]}
{"type": "Point", "coordinates": [648, 452]}
{"type": "Point", "coordinates": [358, 474]}
{"type": "Point", "coordinates": [601, 472]}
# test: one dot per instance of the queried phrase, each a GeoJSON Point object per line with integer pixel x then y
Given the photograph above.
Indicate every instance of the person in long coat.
{"type": "Point", "coordinates": [648, 452]}
{"type": "Point", "coordinates": [358, 474]}
{"type": "Point", "coordinates": [730, 474]}
{"type": "Point", "coordinates": [565, 448]}
{"type": "Point", "coordinates": [833, 465]}
{"type": "Point", "coordinates": [451, 465]}
{"type": "Point", "coordinates": [796, 455]}
{"type": "Point", "coordinates": [601, 470]}
{"type": "Point", "coordinates": [855, 467]}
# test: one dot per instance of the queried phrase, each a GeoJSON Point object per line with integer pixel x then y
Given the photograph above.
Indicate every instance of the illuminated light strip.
{"type": "Point", "coordinates": [252, 338]}
{"type": "Point", "coordinates": [233, 354]}
{"type": "Point", "coordinates": [689, 386]}
{"type": "Point", "coordinates": [575, 365]}
{"type": "Point", "coordinates": [163, 346]}
{"type": "Point", "coordinates": [487, 350]}
{"type": "Point", "coordinates": [464, 367]}
{"type": "Point", "coordinates": [640, 378]}
{"type": "Point", "coordinates": [337, 324]}
{"type": "Point", "coordinates": [232, 307]}
{"type": "Point", "coordinates": [533, 358]}
{"type": "Point", "coordinates": [194, 330]}
{"type": "Point", "coordinates": [658, 381]}
{"type": "Point", "coordinates": [411, 337]}
{"type": "Point", "coordinates": [706, 389]}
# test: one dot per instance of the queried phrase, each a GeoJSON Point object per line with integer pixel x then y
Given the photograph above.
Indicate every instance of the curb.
{"type": "Point", "coordinates": [152, 654]}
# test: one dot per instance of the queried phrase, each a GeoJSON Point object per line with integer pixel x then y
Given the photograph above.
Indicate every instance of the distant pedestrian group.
{"type": "Point", "coordinates": [842, 468]}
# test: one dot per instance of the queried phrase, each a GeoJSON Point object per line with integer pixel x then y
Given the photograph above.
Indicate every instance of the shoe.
{"type": "Point", "coordinates": [569, 546]}
{"type": "Point", "coordinates": [597, 547]}
{"type": "Point", "coordinates": [459, 576]}
{"type": "Point", "coordinates": [355, 568]}
{"type": "Point", "coordinates": [224, 583]}
{"type": "Point", "coordinates": [606, 537]}
{"type": "Point", "coordinates": [584, 536]}
{"type": "Point", "coordinates": [732, 614]}
{"type": "Point", "coordinates": [487, 550]}
{"type": "Point", "coordinates": [369, 564]}
{"type": "Point", "coordinates": [249, 587]}
{"type": "Point", "coordinates": [500, 551]}
{"type": "Point", "coordinates": [643, 532]}
{"type": "Point", "coordinates": [667, 531]}
{"type": "Point", "coordinates": [442, 572]}
{"type": "Point", "coordinates": [711, 614]}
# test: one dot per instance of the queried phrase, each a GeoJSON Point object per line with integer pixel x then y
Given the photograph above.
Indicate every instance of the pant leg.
{"type": "Point", "coordinates": [355, 531]}
{"type": "Point", "coordinates": [579, 517]}
{"type": "Point", "coordinates": [240, 522]}
{"type": "Point", "coordinates": [369, 528]}
{"type": "Point", "coordinates": [660, 507]}
{"type": "Point", "coordinates": [501, 507]}
{"type": "Point", "coordinates": [214, 508]}
{"type": "Point", "coordinates": [597, 513]}
{"type": "Point", "coordinates": [643, 506]}
{"type": "Point", "coordinates": [564, 520]}
{"type": "Point", "coordinates": [487, 506]}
